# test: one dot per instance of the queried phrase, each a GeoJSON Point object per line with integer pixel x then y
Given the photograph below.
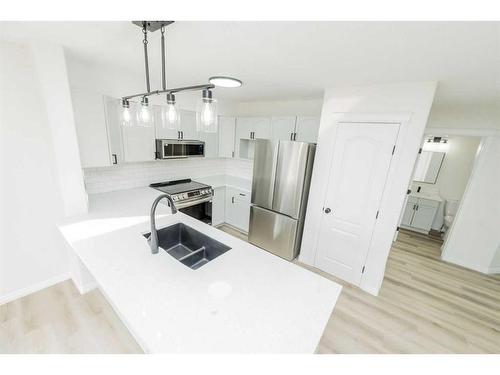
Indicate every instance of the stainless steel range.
{"type": "Point", "coordinates": [190, 197]}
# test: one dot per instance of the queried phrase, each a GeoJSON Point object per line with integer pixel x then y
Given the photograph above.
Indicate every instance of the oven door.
{"type": "Point", "coordinates": [201, 210]}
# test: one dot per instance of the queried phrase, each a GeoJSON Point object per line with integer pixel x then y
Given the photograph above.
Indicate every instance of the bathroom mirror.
{"type": "Point", "coordinates": [428, 166]}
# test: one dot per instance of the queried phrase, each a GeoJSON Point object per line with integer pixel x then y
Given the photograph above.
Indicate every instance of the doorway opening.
{"type": "Point", "coordinates": [440, 177]}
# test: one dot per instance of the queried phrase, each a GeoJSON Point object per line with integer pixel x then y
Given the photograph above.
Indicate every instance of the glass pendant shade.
{"type": "Point", "coordinates": [126, 114]}
{"type": "Point", "coordinates": [170, 118]}
{"type": "Point", "coordinates": [144, 115]}
{"type": "Point", "coordinates": [206, 115]}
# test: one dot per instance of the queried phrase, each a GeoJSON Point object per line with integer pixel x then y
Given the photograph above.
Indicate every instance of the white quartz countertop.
{"type": "Point", "coordinates": [245, 301]}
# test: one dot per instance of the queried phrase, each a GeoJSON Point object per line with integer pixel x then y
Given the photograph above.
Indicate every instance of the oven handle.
{"type": "Point", "coordinates": [192, 202]}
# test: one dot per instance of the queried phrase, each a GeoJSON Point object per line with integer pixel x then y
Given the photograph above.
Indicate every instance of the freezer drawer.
{"type": "Point", "coordinates": [273, 232]}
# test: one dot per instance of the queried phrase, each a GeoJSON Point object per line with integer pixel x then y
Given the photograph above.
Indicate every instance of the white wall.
{"type": "Point", "coordinates": [302, 107]}
{"type": "Point", "coordinates": [465, 116]}
{"type": "Point", "coordinates": [31, 255]}
{"type": "Point", "coordinates": [372, 102]}
{"type": "Point", "coordinates": [50, 66]}
{"type": "Point", "coordinates": [474, 237]}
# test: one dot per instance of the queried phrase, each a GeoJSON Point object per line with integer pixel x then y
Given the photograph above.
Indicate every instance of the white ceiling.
{"type": "Point", "coordinates": [285, 60]}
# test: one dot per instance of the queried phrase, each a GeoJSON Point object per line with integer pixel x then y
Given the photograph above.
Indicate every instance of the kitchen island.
{"type": "Point", "coordinates": [244, 301]}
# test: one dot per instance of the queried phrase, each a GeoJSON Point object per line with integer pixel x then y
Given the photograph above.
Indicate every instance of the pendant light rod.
{"type": "Point", "coordinates": [146, 62]}
{"type": "Point", "coordinates": [206, 86]}
{"type": "Point", "coordinates": [163, 70]}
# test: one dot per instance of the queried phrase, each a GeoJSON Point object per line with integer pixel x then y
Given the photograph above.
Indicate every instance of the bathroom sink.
{"type": "Point", "coordinates": [188, 246]}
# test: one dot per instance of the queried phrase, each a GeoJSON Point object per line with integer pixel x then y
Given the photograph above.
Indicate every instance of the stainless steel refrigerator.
{"type": "Point", "coordinates": [280, 187]}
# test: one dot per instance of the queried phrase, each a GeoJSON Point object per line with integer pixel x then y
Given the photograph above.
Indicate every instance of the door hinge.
{"type": "Point", "coordinates": [393, 149]}
{"type": "Point", "coordinates": [363, 269]}
{"type": "Point", "coordinates": [376, 216]}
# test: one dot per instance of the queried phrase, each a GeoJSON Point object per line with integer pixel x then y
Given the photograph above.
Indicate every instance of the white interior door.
{"type": "Point", "coordinates": [359, 167]}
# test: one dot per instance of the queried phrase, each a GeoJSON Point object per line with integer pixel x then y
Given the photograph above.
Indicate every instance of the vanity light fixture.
{"type": "Point", "coordinates": [207, 116]}
{"type": "Point", "coordinates": [436, 144]}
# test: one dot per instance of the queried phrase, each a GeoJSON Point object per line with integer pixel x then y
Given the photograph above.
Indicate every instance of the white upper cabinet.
{"type": "Point", "coordinates": [114, 137]}
{"type": "Point", "coordinates": [283, 128]}
{"type": "Point", "coordinates": [307, 129]}
{"type": "Point", "coordinates": [253, 127]}
{"type": "Point", "coordinates": [227, 127]}
{"type": "Point", "coordinates": [161, 131]}
{"type": "Point", "coordinates": [188, 125]}
{"type": "Point", "coordinates": [139, 142]}
{"type": "Point", "coordinates": [211, 144]}
{"type": "Point", "coordinates": [90, 128]}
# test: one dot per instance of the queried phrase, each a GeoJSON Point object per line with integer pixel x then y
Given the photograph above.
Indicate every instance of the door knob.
{"type": "Point", "coordinates": [327, 210]}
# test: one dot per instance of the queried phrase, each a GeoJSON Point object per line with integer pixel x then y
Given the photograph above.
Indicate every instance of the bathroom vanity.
{"type": "Point", "coordinates": [420, 211]}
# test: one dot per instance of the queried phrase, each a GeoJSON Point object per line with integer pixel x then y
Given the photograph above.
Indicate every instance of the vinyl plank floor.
{"type": "Point", "coordinates": [425, 305]}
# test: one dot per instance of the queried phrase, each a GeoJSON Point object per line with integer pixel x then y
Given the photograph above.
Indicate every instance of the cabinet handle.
{"type": "Point", "coordinates": [417, 208]}
{"type": "Point", "coordinates": [414, 207]}
{"type": "Point", "coordinates": [243, 195]}
{"type": "Point", "coordinates": [232, 200]}
{"type": "Point", "coordinates": [294, 136]}
{"type": "Point", "coordinates": [178, 134]}
{"type": "Point", "coordinates": [291, 136]}
{"type": "Point", "coordinates": [115, 159]}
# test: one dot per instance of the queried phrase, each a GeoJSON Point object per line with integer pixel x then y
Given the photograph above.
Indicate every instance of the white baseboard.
{"type": "Point", "coordinates": [9, 297]}
{"type": "Point", "coordinates": [494, 269]}
{"type": "Point", "coordinates": [462, 263]}
{"type": "Point", "coordinates": [84, 288]}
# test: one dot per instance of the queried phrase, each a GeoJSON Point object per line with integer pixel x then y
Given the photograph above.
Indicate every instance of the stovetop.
{"type": "Point", "coordinates": [179, 186]}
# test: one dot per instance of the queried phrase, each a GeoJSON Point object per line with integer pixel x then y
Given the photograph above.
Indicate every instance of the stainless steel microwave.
{"type": "Point", "coordinates": [174, 149]}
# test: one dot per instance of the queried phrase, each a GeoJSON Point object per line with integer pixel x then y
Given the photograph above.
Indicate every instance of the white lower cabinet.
{"type": "Point", "coordinates": [419, 214]}
{"type": "Point", "coordinates": [238, 208]}
{"type": "Point", "coordinates": [218, 205]}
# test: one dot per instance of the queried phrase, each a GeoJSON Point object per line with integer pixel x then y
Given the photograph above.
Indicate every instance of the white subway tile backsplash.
{"type": "Point", "coordinates": [128, 176]}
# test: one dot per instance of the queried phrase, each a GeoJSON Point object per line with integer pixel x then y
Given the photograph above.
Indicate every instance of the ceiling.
{"type": "Point", "coordinates": [293, 60]}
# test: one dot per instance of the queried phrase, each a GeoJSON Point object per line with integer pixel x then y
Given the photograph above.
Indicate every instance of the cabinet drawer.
{"type": "Point", "coordinates": [412, 199]}
{"type": "Point", "coordinates": [428, 202]}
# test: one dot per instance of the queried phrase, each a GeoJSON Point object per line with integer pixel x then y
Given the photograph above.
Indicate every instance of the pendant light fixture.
{"type": "Point", "coordinates": [207, 111]}
{"type": "Point", "coordinates": [206, 114]}
{"type": "Point", "coordinates": [169, 114]}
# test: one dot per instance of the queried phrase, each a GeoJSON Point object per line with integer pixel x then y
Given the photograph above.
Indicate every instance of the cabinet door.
{"type": "Point", "coordinates": [423, 217]}
{"type": "Point", "coordinates": [90, 121]}
{"type": "Point", "coordinates": [161, 131]}
{"type": "Point", "coordinates": [238, 208]}
{"type": "Point", "coordinates": [115, 137]}
{"type": "Point", "coordinates": [211, 143]}
{"type": "Point", "coordinates": [138, 143]}
{"type": "Point", "coordinates": [218, 206]}
{"type": "Point", "coordinates": [408, 214]}
{"type": "Point", "coordinates": [307, 129]}
{"type": "Point", "coordinates": [227, 127]}
{"type": "Point", "coordinates": [283, 128]}
{"type": "Point", "coordinates": [188, 125]}
{"type": "Point", "coordinates": [261, 126]}
{"type": "Point", "coordinates": [244, 126]}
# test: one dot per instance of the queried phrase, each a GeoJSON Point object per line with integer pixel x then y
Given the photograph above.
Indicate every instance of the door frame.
{"type": "Point", "coordinates": [393, 196]}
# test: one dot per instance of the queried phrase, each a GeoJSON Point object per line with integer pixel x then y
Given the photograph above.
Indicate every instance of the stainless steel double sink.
{"type": "Point", "coordinates": [190, 247]}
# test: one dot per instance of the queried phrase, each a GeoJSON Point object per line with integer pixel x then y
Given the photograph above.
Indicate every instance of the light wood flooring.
{"type": "Point", "coordinates": [424, 306]}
